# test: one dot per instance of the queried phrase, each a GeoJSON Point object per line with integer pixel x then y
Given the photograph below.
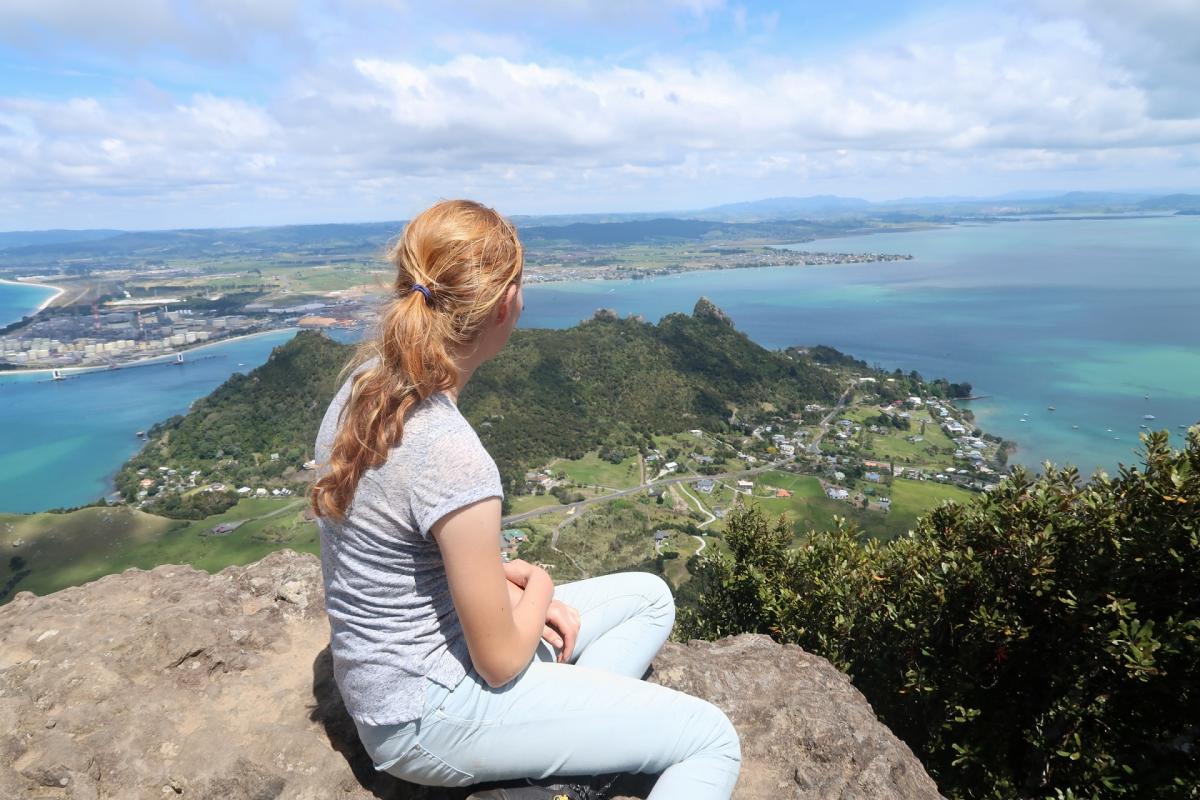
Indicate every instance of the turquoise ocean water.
{"type": "Point", "coordinates": [17, 300]}
{"type": "Point", "coordinates": [61, 441]}
{"type": "Point", "coordinates": [1089, 316]}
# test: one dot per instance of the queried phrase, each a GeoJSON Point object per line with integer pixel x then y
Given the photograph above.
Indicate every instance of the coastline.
{"type": "Point", "coordinates": [540, 278]}
{"type": "Point", "coordinates": [58, 292]}
{"type": "Point", "coordinates": [141, 361]}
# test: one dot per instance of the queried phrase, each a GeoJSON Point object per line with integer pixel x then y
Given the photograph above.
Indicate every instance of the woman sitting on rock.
{"type": "Point", "coordinates": [456, 667]}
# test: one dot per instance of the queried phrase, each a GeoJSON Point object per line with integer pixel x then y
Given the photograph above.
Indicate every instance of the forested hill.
{"type": "Point", "coordinates": [612, 381]}
{"type": "Point", "coordinates": [607, 381]}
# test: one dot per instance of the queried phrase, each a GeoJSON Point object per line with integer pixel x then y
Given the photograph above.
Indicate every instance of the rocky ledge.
{"type": "Point", "coordinates": [174, 682]}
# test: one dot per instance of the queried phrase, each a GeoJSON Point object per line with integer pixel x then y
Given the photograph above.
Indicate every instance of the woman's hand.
{"type": "Point", "coordinates": [501, 638]}
{"type": "Point", "coordinates": [562, 621]}
{"type": "Point", "coordinates": [562, 629]}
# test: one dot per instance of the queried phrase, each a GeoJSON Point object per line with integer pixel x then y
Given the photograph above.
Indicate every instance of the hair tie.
{"type": "Point", "coordinates": [419, 288]}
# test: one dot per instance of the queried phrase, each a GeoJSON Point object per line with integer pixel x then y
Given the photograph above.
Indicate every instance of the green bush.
{"type": "Point", "coordinates": [1041, 641]}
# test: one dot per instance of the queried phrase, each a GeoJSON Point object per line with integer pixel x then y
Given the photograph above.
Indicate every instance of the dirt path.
{"type": "Point", "coordinates": [554, 543]}
{"type": "Point", "coordinates": [281, 509]}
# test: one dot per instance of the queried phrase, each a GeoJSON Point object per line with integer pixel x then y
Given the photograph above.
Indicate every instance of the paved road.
{"type": "Point", "coordinates": [824, 425]}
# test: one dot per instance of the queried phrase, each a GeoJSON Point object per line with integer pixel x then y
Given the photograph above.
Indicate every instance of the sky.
{"type": "Point", "coordinates": [143, 114]}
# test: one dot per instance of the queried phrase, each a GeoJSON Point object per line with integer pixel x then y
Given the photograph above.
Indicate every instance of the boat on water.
{"type": "Point", "coordinates": [1074, 427]}
{"type": "Point", "coordinates": [1049, 408]}
{"type": "Point", "coordinates": [1148, 416]}
{"type": "Point", "coordinates": [56, 375]}
{"type": "Point", "coordinates": [141, 434]}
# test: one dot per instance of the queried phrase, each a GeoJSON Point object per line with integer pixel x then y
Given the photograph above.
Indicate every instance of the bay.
{"type": "Point", "coordinates": [1089, 316]}
{"type": "Point", "coordinates": [62, 441]}
{"type": "Point", "coordinates": [19, 299]}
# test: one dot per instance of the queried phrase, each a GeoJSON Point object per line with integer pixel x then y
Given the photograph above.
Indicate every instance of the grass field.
{"type": "Point", "coordinates": [894, 446]}
{"type": "Point", "coordinates": [910, 499]}
{"type": "Point", "coordinates": [330, 277]}
{"type": "Point", "coordinates": [809, 509]}
{"type": "Point", "coordinates": [61, 550]}
{"type": "Point", "coordinates": [591, 469]}
{"type": "Point", "coordinates": [528, 502]}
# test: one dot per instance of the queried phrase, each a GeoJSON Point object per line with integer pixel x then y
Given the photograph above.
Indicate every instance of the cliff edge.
{"type": "Point", "coordinates": [177, 683]}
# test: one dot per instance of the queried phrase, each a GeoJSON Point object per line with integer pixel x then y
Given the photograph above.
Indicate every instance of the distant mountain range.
{"type": "Point", "coordinates": [832, 207]}
{"type": "Point", "coordinates": [781, 218]}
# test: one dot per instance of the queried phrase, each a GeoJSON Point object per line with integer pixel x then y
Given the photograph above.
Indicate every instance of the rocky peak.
{"type": "Point", "coordinates": [707, 309]}
{"type": "Point", "coordinates": [177, 683]}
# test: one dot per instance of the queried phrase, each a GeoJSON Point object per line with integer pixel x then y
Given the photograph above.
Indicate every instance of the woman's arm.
{"type": "Point", "coordinates": [562, 621]}
{"type": "Point", "coordinates": [501, 636]}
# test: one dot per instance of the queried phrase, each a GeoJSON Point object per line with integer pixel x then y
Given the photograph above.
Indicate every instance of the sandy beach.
{"type": "Point", "coordinates": [147, 360]}
{"type": "Point", "coordinates": [58, 291]}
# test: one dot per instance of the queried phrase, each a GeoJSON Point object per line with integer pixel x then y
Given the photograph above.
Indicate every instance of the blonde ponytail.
{"type": "Point", "coordinates": [464, 255]}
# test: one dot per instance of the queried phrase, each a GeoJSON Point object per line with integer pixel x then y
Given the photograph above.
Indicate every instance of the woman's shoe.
{"type": "Point", "coordinates": [595, 788]}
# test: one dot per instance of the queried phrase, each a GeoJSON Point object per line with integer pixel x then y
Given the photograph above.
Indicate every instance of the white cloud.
{"type": "Point", "coordinates": [935, 104]}
{"type": "Point", "coordinates": [1157, 41]}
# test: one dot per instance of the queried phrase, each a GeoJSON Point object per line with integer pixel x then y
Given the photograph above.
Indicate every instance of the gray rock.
{"type": "Point", "coordinates": [177, 683]}
{"type": "Point", "coordinates": [806, 732]}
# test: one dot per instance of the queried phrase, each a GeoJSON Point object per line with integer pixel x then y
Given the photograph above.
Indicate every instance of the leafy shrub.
{"type": "Point", "coordinates": [1041, 641]}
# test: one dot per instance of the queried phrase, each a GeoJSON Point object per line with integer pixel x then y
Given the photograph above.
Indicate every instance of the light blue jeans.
{"type": "Point", "coordinates": [590, 717]}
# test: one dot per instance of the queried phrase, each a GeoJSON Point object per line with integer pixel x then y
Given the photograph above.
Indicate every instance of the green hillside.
{"type": "Point", "coordinates": [54, 551]}
{"type": "Point", "coordinates": [619, 381]}
{"type": "Point", "coordinates": [550, 393]}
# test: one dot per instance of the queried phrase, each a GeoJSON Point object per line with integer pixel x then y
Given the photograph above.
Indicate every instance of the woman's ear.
{"type": "Point", "coordinates": [505, 306]}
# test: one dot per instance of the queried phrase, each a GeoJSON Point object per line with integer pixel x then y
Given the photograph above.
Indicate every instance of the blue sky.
{"type": "Point", "coordinates": [188, 113]}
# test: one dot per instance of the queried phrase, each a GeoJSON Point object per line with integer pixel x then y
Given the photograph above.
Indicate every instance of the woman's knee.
{"type": "Point", "coordinates": [660, 603]}
{"type": "Point", "coordinates": [723, 738]}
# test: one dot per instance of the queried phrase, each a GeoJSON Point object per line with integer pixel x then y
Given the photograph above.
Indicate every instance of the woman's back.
{"type": "Point", "coordinates": [392, 619]}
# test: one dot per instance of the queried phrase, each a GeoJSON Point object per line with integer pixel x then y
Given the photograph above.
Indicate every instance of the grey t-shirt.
{"type": "Point", "coordinates": [392, 620]}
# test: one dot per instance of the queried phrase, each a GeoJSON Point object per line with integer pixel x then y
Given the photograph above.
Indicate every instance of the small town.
{"type": "Point", "coordinates": [121, 332]}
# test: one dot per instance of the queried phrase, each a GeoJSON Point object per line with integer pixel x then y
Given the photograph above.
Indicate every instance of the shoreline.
{"type": "Point", "coordinates": [141, 361]}
{"type": "Point", "coordinates": [657, 274]}
{"type": "Point", "coordinates": [58, 292]}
